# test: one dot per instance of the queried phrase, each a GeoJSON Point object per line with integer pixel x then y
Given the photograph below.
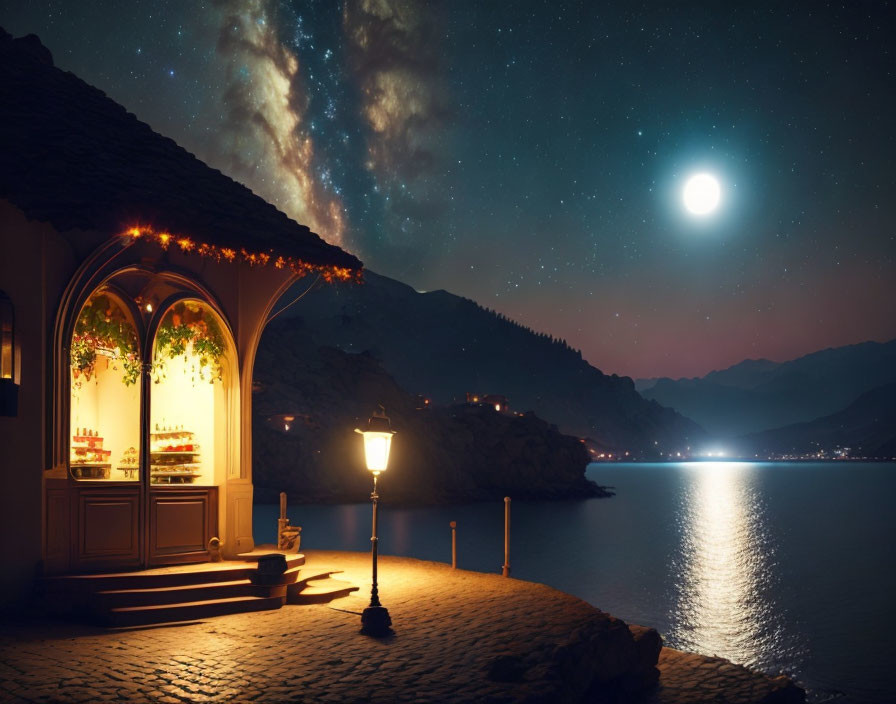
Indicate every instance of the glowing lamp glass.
{"type": "Point", "coordinates": [376, 450]}
{"type": "Point", "coordinates": [377, 441]}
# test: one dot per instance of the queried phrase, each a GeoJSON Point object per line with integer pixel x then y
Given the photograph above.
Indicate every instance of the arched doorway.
{"type": "Point", "coordinates": [192, 391]}
{"type": "Point", "coordinates": [154, 422]}
{"type": "Point", "coordinates": [193, 421]}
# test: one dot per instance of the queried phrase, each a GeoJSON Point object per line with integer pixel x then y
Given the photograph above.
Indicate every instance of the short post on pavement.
{"type": "Point", "coordinates": [453, 545]}
{"type": "Point", "coordinates": [375, 620]}
{"type": "Point", "coordinates": [505, 569]}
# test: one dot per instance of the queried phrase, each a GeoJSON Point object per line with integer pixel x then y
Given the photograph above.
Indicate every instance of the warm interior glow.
{"type": "Point", "coordinates": [105, 420]}
{"type": "Point", "coordinates": [6, 356]}
{"type": "Point", "coordinates": [376, 450]}
{"type": "Point", "coordinates": [6, 337]}
{"type": "Point", "coordinates": [189, 411]}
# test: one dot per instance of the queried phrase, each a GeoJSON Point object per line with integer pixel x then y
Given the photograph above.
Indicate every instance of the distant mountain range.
{"type": "Point", "coordinates": [760, 395]}
{"type": "Point", "coordinates": [867, 427]}
{"type": "Point", "coordinates": [443, 346]}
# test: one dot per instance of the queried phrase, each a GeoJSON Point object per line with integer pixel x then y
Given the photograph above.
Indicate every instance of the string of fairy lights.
{"type": "Point", "coordinates": [300, 267]}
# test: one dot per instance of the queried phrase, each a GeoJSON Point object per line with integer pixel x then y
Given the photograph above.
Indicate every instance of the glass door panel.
{"type": "Point", "coordinates": [188, 416]}
{"type": "Point", "coordinates": [105, 393]}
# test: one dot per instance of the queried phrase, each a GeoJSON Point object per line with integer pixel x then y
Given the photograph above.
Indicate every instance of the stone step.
{"type": "Point", "coordinates": [115, 598]}
{"type": "Point", "coordinates": [188, 611]}
{"type": "Point", "coordinates": [157, 578]}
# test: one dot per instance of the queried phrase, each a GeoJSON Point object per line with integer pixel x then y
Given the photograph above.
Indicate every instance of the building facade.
{"type": "Point", "coordinates": [140, 281]}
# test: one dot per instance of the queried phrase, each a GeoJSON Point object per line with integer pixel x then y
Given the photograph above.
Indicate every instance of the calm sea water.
{"type": "Point", "coordinates": [783, 567]}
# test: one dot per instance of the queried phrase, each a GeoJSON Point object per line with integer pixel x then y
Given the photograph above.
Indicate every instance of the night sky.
{"type": "Point", "coordinates": [531, 155]}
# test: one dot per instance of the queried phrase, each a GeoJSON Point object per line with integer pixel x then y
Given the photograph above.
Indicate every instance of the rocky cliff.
{"type": "Point", "coordinates": [308, 400]}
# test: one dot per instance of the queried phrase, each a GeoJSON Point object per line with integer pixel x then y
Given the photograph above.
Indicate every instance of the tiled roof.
{"type": "Point", "coordinates": [71, 156]}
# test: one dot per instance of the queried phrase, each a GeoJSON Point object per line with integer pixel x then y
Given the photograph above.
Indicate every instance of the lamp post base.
{"type": "Point", "coordinates": [375, 621]}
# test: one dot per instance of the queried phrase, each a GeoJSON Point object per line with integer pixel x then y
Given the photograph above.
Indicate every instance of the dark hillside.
{"type": "Point", "coordinates": [442, 345]}
{"type": "Point", "coordinates": [308, 400]}
{"type": "Point", "coordinates": [758, 395]}
{"type": "Point", "coordinates": [867, 426]}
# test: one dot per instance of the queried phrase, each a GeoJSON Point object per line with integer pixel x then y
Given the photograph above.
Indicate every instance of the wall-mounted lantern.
{"type": "Point", "coordinates": [9, 390]}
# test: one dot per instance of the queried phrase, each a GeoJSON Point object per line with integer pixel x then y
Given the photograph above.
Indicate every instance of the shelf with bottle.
{"type": "Point", "coordinates": [174, 456]}
{"type": "Point", "coordinates": [174, 474]}
{"type": "Point", "coordinates": [172, 440]}
{"type": "Point", "coordinates": [87, 458]}
{"type": "Point", "coordinates": [86, 438]}
{"type": "Point", "coordinates": [129, 464]}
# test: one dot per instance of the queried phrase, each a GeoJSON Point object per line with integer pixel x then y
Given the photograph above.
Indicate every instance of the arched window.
{"type": "Point", "coordinates": [193, 381]}
{"type": "Point", "coordinates": [105, 391]}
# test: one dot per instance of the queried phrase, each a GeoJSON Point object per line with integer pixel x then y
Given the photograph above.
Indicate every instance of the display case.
{"type": "Point", "coordinates": [88, 458]}
{"type": "Point", "coordinates": [174, 456]}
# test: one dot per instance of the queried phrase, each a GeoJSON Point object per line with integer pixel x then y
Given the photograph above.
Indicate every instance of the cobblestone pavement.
{"type": "Point", "coordinates": [449, 628]}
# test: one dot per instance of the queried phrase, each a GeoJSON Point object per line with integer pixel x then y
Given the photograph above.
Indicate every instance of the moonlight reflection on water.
{"type": "Point", "coordinates": [766, 564]}
{"type": "Point", "coordinates": [725, 571]}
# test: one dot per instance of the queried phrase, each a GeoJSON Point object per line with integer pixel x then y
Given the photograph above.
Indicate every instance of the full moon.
{"type": "Point", "coordinates": [701, 194]}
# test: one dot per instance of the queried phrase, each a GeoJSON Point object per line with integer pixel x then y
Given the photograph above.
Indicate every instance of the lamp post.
{"type": "Point", "coordinates": [375, 620]}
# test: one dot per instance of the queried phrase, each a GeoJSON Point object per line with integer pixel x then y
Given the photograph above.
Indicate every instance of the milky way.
{"type": "Point", "coordinates": [266, 136]}
{"type": "Point", "coordinates": [393, 50]}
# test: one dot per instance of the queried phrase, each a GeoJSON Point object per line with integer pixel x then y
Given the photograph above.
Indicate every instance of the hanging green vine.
{"type": "Point", "coordinates": [184, 325]}
{"type": "Point", "coordinates": [103, 328]}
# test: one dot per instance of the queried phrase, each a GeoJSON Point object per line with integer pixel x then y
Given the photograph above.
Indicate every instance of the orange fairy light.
{"type": "Point", "coordinates": [328, 273]}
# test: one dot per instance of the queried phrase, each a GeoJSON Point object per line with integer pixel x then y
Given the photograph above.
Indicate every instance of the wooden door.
{"type": "Point", "coordinates": [106, 521]}
{"type": "Point", "coordinates": [181, 522]}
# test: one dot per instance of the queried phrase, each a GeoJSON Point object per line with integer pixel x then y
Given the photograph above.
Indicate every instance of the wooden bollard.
{"type": "Point", "coordinates": [453, 525]}
{"type": "Point", "coordinates": [283, 521]}
{"type": "Point", "coordinates": [505, 569]}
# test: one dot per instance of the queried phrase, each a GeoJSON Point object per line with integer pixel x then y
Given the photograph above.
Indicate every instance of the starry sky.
{"type": "Point", "coordinates": [531, 155]}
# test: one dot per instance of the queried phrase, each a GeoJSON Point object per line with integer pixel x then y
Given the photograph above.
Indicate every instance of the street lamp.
{"type": "Point", "coordinates": [375, 620]}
